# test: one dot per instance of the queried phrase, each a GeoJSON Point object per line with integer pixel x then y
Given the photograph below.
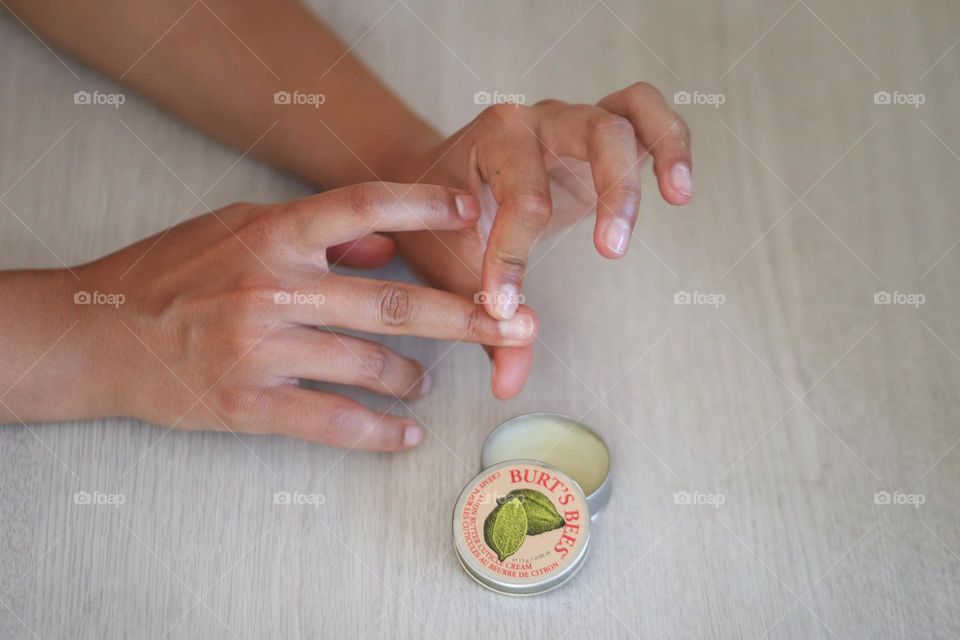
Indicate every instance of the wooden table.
{"type": "Point", "coordinates": [782, 400]}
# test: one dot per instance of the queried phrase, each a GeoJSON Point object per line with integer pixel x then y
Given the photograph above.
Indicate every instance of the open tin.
{"type": "Point", "coordinates": [522, 525]}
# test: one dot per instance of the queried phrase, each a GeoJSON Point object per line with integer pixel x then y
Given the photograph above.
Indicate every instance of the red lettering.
{"type": "Point", "coordinates": [544, 478]}
{"type": "Point", "coordinates": [514, 475]}
{"type": "Point", "coordinates": [566, 499]}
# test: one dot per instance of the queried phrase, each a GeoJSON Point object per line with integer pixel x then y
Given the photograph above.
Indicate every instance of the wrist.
{"type": "Point", "coordinates": [53, 370]}
{"type": "Point", "coordinates": [101, 349]}
{"type": "Point", "coordinates": [407, 158]}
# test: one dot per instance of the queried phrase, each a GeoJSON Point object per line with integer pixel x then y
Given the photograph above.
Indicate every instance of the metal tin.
{"type": "Point", "coordinates": [554, 535]}
{"type": "Point", "coordinates": [591, 445]}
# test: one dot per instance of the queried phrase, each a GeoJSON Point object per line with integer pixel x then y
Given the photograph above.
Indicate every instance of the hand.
{"type": "Point", "coordinates": [550, 162]}
{"type": "Point", "coordinates": [223, 314]}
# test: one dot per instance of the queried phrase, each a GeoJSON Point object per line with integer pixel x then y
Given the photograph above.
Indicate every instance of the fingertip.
{"type": "Point", "coordinates": [679, 184]}
{"type": "Point", "coordinates": [521, 329]}
{"type": "Point", "coordinates": [504, 301]}
{"type": "Point", "coordinates": [612, 237]}
{"type": "Point", "coordinates": [510, 367]}
{"type": "Point", "coordinates": [412, 435]}
{"type": "Point", "coordinates": [426, 383]}
{"type": "Point", "coordinates": [468, 207]}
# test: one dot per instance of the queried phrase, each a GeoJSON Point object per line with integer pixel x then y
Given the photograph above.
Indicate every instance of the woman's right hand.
{"type": "Point", "coordinates": [221, 316]}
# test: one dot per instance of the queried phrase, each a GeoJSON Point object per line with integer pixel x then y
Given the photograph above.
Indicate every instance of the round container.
{"type": "Point", "coordinates": [521, 527]}
{"type": "Point", "coordinates": [560, 441]}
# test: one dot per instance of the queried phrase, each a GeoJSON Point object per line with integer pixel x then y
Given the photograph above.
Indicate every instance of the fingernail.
{"type": "Point", "coordinates": [425, 383]}
{"type": "Point", "coordinates": [680, 178]}
{"type": "Point", "coordinates": [516, 328]}
{"type": "Point", "coordinates": [617, 236]}
{"type": "Point", "coordinates": [465, 206]}
{"type": "Point", "coordinates": [506, 301]}
{"type": "Point", "coordinates": [412, 436]}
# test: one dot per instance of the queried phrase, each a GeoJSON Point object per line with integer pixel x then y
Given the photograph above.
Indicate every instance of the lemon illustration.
{"type": "Point", "coordinates": [505, 528]}
{"type": "Point", "coordinates": [542, 516]}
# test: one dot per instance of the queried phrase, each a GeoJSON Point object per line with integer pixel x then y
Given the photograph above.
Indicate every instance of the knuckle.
{"type": "Point", "coordinates": [502, 113]}
{"type": "Point", "coordinates": [610, 125]}
{"type": "Point", "coordinates": [237, 214]}
{"type": "Point", "coordinates": [644, 89]}
{"type": "Point", "coordinates": [681, 129]}
{"type": "Point", "coordinates": [235, 403]}
{"type": "Point", "coordinates": [338, 424]}
{"type": "Point", "coordinates": [510, 260]}
{"type": "Point", "coordinates": [394, 305]}
{"type": "Point", "coordinates": [676, 125]}
{"type": "Point", "coordinates": [626, 191]}
{"type": "Point", "coordinates": [374, 365]}
{"type": "Point", "coordinates": [261, 232]}
{"type": "Point", "coordinates": [255, 295]}
{"type": "Point", "coordinates": [550, 102]}
{"type": "Point", "coordinates": [534, 206]}
{"type": "Point", "coordinates": [235, 340]}
{"type": "Point", "coordinates": [476, 322]}
{"type": "Point", "coordinates": [367, 197]}
{"type": "Point", "coordinates": [436, 205]}
{"type": "Point", "coordinates": [584, 111]}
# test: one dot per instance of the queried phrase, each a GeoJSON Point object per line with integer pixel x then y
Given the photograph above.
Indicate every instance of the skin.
{"type": "Point", "coordinates": [226, 351]}
{"type": "Point", "coordinates": [529, 167]}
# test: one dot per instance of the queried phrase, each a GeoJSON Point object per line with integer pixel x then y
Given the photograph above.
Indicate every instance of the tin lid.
{"type": "Point", "coordinates": [559, 440]}
{"type": "Point", "coordinates": [521, 527]}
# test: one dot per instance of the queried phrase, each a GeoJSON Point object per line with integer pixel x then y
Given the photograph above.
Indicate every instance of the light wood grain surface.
{"type": "Point", "coordinates": [793, 403]}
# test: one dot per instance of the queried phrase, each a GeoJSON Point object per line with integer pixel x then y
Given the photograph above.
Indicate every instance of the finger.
{"type": "Point", "coordinates": [369, 252]}
{"type": "Point", "coordinates": [352, 212]}
{"type": "Point", "coordinates": [511, 161]}
{"type": "Point", "coordinates": [333, 420]}
{"type": "Point", "coordinates": [510, 368]}
{"type": "Point", "coordinates": [395, 308]}
{"type": "Point", "coordinates": [608, 142]}
{"type": "Point", "coordinates": [662, 132]}
{"type": "Point", "coordinates": [326, 356]}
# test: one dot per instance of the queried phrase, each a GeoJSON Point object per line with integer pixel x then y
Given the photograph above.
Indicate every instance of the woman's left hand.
{"type": "Point", "coordinates": [551, 162]}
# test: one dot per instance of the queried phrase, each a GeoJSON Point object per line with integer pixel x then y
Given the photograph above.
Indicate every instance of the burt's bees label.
{"type": "Point", "coordinates": [521, 524]}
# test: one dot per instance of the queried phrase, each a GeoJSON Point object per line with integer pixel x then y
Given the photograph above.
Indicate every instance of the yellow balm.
{"type": "Point", "coordinates": [559, 441]}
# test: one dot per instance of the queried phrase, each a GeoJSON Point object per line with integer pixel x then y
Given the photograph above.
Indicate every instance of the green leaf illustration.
{"type": "Point", "coordinates": [542, 516]}
{"type": "Point", "coordinates": [505, 528]}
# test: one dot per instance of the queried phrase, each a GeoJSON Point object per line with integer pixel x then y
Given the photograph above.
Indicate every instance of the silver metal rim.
{"type": "Point", "coordinates": [493, 586]}
{"type": "Point", "coordinates": [500, 586]}
{"type": "Point", "coordinates": [597, 500]}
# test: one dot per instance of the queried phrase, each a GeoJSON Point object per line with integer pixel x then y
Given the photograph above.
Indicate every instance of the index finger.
{"type": "Point", "coordinates": [512, 162]}
{"type": "Point", "coordinates": [349, 213]}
